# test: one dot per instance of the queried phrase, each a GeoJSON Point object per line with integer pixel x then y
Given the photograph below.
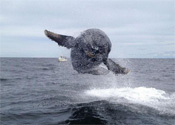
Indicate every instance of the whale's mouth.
{"type": "Point", "coordinates": [90, 54]}
{"type": "Point", "coordinates": [92, 51]}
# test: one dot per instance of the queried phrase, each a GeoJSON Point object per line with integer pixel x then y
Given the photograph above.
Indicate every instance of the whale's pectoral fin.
{"type": "Point", "coordinates": [62, 40]}
{"type": "Point", "coordinates": [115, 68]}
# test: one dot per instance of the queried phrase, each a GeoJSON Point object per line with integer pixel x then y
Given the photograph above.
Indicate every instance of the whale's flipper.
{"type": "Point", "coordinates": [62, 40]}
{"type": "Point", "coordinates": [115, 68]}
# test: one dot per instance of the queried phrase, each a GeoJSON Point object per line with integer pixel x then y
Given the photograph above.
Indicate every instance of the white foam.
{"type": "Point", "coordinates": [151, 97]}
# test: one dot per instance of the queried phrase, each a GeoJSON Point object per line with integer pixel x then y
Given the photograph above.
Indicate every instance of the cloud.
{"type": "Point", "coordinates": [127, 23]}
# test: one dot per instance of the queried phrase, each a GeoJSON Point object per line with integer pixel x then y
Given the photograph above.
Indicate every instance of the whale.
{"type": "Point", "coordinates": [89, 50]}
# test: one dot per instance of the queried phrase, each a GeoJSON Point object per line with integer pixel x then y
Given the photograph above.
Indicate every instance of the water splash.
{"type": "Point", "coordinates": [150, 97]}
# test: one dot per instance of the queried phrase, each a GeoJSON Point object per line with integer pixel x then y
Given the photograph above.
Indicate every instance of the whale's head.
{"type": "Point", "coordinates": [95, 44]}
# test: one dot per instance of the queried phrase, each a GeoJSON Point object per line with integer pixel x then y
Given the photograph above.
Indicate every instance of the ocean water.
{"type": "Point", "coordinates": [44, 91]}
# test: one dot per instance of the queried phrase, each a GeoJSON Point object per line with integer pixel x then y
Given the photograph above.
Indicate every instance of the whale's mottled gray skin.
{"type": "Point", "coordinates": [88, 51]}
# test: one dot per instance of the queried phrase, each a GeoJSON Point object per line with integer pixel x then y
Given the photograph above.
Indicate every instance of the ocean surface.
{"type": "Point", "coordinates": [43, 91]}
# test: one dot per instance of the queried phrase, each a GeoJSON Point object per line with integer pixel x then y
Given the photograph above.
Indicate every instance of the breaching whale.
{"type": "Point", "coordinates": [90, 49]}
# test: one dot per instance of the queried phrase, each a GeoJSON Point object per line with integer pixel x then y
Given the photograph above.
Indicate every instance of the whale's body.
{"type": "Point", "coordinates": [90, 41]}
{"type": "Point", "coordinates": [90, 49]}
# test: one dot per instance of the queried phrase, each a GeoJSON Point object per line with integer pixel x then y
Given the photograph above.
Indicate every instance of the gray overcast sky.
{"type": "Point", "coordinates": [136, 28]}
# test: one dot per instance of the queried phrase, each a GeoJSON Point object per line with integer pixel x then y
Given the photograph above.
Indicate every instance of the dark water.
{"type": "Point", "coordinates": [46, 92]}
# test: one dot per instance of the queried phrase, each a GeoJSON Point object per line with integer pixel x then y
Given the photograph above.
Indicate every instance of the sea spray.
{"type": "Point", "coordinates": [151, 97]}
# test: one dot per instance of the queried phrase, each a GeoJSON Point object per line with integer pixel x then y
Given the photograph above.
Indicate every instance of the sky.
{"type": "Point", "coordinates": [136, 28]}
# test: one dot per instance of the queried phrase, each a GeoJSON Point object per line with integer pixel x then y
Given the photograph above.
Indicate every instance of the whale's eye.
{"type": "Point", "coordinates": [100, 50]}
{"type": "Point", "coordinates": [97, 51]}
{"type": "Point", "coordinates": [96, 48]}
{"type": "Point", "coordinates": [93, 53]}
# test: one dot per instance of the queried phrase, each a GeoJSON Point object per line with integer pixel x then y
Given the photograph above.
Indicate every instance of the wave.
{"type": "Point", "coordinates": [86, 113]}
{"type": "Point", "coordinates": [105, 112]}
{"type": "Point", "coordinates": [3, 79]}
{"type": "Point", "coordinates": [9, 79]}
{"type": "Point", "coordinates": [151, 97]}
